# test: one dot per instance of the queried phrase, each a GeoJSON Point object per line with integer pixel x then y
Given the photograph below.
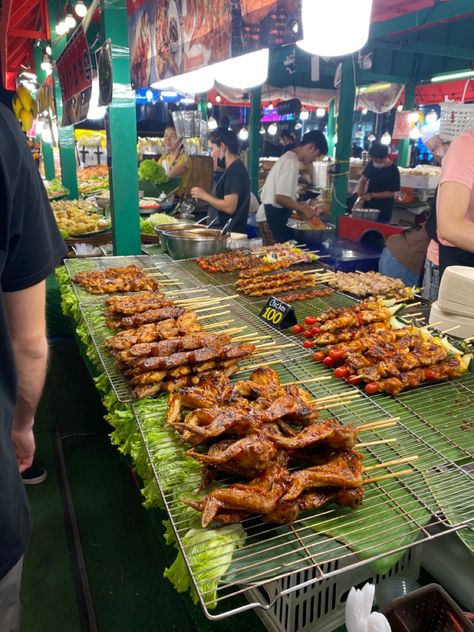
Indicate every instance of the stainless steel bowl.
{"type": "Point", "coordinates": [307, 235]}
{"type": "Point", "coordinates": [177, 226]}
{"type": "Point", "coordinates": [194, 242]}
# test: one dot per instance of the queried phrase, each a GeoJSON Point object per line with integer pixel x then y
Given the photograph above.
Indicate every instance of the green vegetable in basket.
{"type": "Point", "coordinates": [209, 552]}
{"type": "Point", "coordinates": [146, 226]}
{"type": "Point", "coordinates": [151, 171]}
{"type": "Point", "coordinates": [162, 218]}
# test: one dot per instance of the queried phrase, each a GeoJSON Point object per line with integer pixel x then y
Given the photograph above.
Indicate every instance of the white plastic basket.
{"type": "Point", "coordinates": [456, 118]}
{"type": "Point", "coordinates": [320, 607]}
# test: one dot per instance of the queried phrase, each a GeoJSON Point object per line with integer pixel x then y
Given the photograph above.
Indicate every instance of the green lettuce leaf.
{"type": "Point", "coordinates": [209, 552]}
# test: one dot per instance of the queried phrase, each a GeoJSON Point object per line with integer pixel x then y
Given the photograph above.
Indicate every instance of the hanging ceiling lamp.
{"type": "Point", "coordinates": [326, 34]}
{"type": "Point", "coordinates": [80, 8]}
{"type": "Point", "coordinates": [415, 133]}
{"type": "Point", "coordinates": [298, 126]}
{"type": "Point", "coordinates": [70, 19]}
{"type": "Point", "coordinates": [371, 138]}
{"type": "Point", "coordinates": [386, 139]}
{"type": "Point", "coordinates": [243, 72]}
{"type": "Point", "coordinates": [272, 129]}
{"type": "Point", "coordinates": [262, 130]}
{"type": "Point", "coordinates": [364, 112]}
{"type": "Point", "coordinates": [321, 112]}
{"type": "Point", "coordinates": [431, 117]}
{"type": "Point", "coordinates": [195, 82]}
{"type": "Point", "coordinates": [304, 115]}
{"type": "Point", "coordinates": [414, 116]}
{"type": "Point", "coordinates": [211, 124]}
{"type": "Point", "coordinates": [244, 134]}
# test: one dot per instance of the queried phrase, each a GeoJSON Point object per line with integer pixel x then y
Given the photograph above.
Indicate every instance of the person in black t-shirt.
{"type": "Point", "coordinates": [30, 248]}
{"type": "Point", "coordinates": [379, 182]}
{"type": "Point", "coordinates": [232, 199]}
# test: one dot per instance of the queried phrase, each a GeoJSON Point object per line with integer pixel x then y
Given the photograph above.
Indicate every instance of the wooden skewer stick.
{"type": "Point", "coordinates": [388, 424]}
{"type": "Point", "coordinates": [384, 477]}
{"type": "Point", "coordinates": [470, 339]}
{"type": "Point", "coordinates": [311, 379]}
{"type": "Point", "coordinates": [219, 324]}
{"type": "Point", "coordinates": [413, 305]}
{"type": "Point", "coordinates": [406, 459]}
{"type": "Point", "coordinates": [321, 256]}
{"type": "Point", "coordinates": [339, 397]}
{"type": "Point", "coordinates": [367, 444]}
{"type": "Point", "coordinates": [410, 315]}
{"type": "Point", "coordinates": [251, 336]}
{"type": "Point", "coordinates": [252, 367]}
{"type": "Point", "coordinates": [236, 330]}
{"type": "Point", "coordinates": [170, 282]}
{"type": "Point", "coordinates": [271, 351]}
{"type": "Point", "coordinates": [374, 424]}
{"type": "Point", "coordinates": [445, 331]}
{"type": "Point", "coordinates": [214, 315]}
{"type": "Point", "coordinates": [198, 289]}
{"type": "Point", "coordinates": [212, 308]}
{"type": "Point", "coordinates": [439, 322]}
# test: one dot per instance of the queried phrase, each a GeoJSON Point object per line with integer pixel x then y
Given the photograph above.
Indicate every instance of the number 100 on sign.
{"type": "Point", "coordinates": [278, 314]}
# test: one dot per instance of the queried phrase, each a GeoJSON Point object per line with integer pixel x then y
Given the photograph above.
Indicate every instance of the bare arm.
{"type": "Point", "coordinates": [27, 323]}
{"type": "Point", "coordinates": [287, 202]}
{"type": "Point", "coordinates": [227, 205]}
{"type": "Point", "coordinates": [452, 225]}
{"type": "Point", "coordinates": [362, 186]}
{"type": "Point", "coordinates": [177, 171]}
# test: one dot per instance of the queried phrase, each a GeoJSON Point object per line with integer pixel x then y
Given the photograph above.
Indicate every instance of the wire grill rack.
{"type": "Point", "coordinates": [228, 315]}
{"type": "Point", "coordinates": [435, 426]}
{"type": "Point", "coordinates": [395, 514]}
{"type": "Point", "coordinates": [168, 268]}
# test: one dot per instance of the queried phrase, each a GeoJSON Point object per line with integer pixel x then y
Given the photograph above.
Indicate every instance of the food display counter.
{"type": "Point", "coordinates": [393, 478]}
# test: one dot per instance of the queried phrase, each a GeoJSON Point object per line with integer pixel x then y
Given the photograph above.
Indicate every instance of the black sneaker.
{"type": "Point", "coordinates": [34, 475]}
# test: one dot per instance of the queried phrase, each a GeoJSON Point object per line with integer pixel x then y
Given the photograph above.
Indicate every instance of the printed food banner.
{"type": "Point", "coordinates": [75, 78]}
{"type": "Point", "coordinates": [172, 37]}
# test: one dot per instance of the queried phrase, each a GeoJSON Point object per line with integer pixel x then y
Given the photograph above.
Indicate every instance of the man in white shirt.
{"type": "Point", "coordinates": [281, 187]}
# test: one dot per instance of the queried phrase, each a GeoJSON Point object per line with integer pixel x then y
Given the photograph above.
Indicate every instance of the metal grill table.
{"type": "Point", "coordinates": [395, 515]}
{"type": "Point", "coordinates": [435, 426]}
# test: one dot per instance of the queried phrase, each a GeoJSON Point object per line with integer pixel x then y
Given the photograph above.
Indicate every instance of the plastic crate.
{"type": "Point", "coordinates": [428, 609]}
{"type": "Point", "coordinates": [320, 607]}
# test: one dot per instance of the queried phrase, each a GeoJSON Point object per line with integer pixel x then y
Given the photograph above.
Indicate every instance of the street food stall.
{"type": "Point", "coordinates": [292, 413]}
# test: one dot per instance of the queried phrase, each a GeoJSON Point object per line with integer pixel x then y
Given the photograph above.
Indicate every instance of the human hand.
{"type": "Point", "coordinates": [198, 193]}
{"type": "Point", "coordinates": [24, 443]}
{"type": "Point", "coordinates": [367, 197]}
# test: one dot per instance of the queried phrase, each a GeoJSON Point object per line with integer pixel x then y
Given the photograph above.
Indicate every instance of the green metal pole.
{"type": "Point", "coordinates": [202, 106]}
{"type": "Point", "coordinates": [404, 147]}
{"type": "Point", "coordinates": [343, 146]}
{"type": "Point", "coordinates": [67, 148]}
{"type": "Point", "coordinates": [46, 148]}
{"type": "Point", "coordinates": [48, 160]}
{"type": "Point", "coordinates": [331, 129]}
{"type": "Point", "coordinates": [122, 134]}
{"type": "Point", "coordinates": [254, 136]}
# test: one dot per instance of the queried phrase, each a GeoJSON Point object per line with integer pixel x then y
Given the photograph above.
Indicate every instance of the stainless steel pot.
{"type": "Point", "coordinates": [194, 242]}
{"type": "Point", "coordinates": [307, 235]}
{"type": "Point", "coordinates": [177, 226]}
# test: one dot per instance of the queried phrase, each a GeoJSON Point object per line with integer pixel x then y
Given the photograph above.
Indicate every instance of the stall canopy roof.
{"type": "Point", "coordinates": [408, 39]}
{"type": "Point", "coordinates": [22, 22]}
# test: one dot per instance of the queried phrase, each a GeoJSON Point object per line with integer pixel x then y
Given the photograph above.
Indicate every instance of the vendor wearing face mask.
{"type": "Point", "coordinates": [379, 182]}
{"type": "Point", "coordinates": [232, 198]}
